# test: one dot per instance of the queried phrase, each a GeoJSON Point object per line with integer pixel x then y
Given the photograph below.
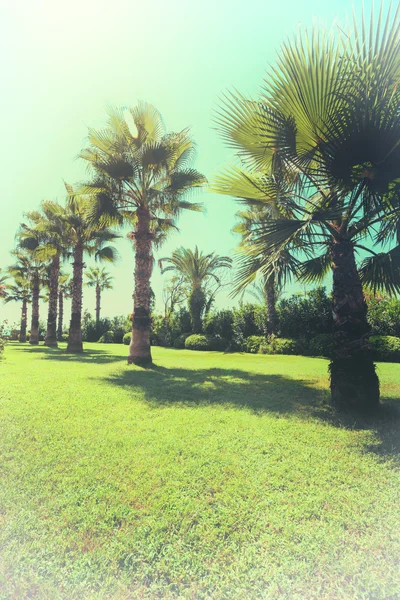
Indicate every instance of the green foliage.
{"type": "Point", "coordinates": [127, 339]}
{"type": "Point", "coordinates": [248, 320]}
{"type": "Point", "coordinates": [165, 330]}
{"type": "Point", "coordinates": [179, 342]}
{"type": "Point", "coordinates": [108, 337]}
{"type": "Point", "coordinates": [383, 314]}
{"type": "Point", "coordinates": [305, 316]}
{"type": "Point", "coordinates": [205, 342]}
{"type": "Point", "coordinates": [385, 348]}
{"type": "Point", "coordinates": [120, 326]}
{"type": "Point", "coordinates": [322, 344]}
{"type": "Point", "coordinates": [277, 345]}
{"type": "Point", "coordinates": [254, 343]}
{"type": "Point", "coordinates": [220, 323]}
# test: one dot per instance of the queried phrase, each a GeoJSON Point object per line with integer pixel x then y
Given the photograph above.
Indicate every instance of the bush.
{"type": "Point", "coordinates": [385, 348]}
{"type": "Point", "coordinates": [254, 343]}
{"type": "Point", "coordinates": [107, 337]}
{"type": "Point", "coordinates": [305, 316]}
{"type": "Point", "coordinates": [2, 344]}
{"type": "Point", "coordinates": [205, 342]}
{"type": "Point", "coordinates": [127, 339]}
{"type": "Point", "coordinates": [282, 346]}
{"type": "Point", "coordinates": [383, 315]}
{"type": "Point", "coordinates": [219, 323]}
{"type": "Point", "coordinates": [120, 326]}
{"type": "Point", "coordinates": [90, 333]}
{"type": "Point", "coordinates": [179, 343]}
{"type": "Point", "coordinates": [321, 345]}
{"type": "Point", "coordinates": [248, 320]}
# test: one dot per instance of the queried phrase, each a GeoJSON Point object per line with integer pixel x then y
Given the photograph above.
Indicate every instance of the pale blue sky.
{"type": "Point", "coordinates": [63, 62]}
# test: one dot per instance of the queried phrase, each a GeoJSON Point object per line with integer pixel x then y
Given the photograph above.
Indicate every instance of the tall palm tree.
{"type": "Point", "coordinates": [47, 237]}
{"type": "Point", "coordinates": [92, 239]}
{"type": "Point", "coordinates": [28, 267]}
{"type": "Point", "coordinates": [197, 270]}
{"type": "Point", "coordinates": [141, 176]}
{"type": "Point", "coordinates": [20, 291]}
{"type": "Point", "coordinates": [329, 113]}
{"type": "Point", "coordinates": [100, 280]}
{"type": "Point", "coordinates": [64, 291]}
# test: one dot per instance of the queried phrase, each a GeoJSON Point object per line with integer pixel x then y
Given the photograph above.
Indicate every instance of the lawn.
{"type": "Point", "coordinates": [210, 476]}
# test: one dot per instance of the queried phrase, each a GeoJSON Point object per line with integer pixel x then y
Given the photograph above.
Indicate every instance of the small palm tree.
{"type": "Point", "coordinates": [100, 280]}
{"type": "Point", "coordinates": [197, 270]}
{"type": "Point", "coordinates": [20, 291]}
{"type": "Point", "coordinates": [141, 176]}
{"type": "Point", "coordinates": [64, 291]}
{"type": "Point", "coordinates": [28, 267]}
{"type": "Point", "coordinates": [89, 238]}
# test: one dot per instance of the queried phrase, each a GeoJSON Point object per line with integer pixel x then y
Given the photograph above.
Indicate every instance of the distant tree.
{"type": "Point", "coordinates": [20, 291]}
{"type": "Point", "coordinates": [197, 270]}
{"type": "Point", "coordinates": [100, 280]}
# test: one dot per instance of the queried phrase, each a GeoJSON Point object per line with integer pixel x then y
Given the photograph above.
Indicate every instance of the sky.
{"type": "Point", "coordinates": [62, 63]}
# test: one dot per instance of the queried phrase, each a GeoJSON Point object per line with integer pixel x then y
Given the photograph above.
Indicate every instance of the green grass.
{"type": "Point", "coordinates": [210, 476]}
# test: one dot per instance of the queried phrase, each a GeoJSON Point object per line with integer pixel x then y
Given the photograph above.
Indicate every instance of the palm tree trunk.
{"type": "Point", "coordinates": [75, 329]}
{"type": "Point", "coordinates": [51, 333]}
{"type": "Point", "coordinates": [60, 315]}
{"type": "Point", "coordinates": [197, 301]}
{"type": "Point", "coordinates": [271, 305]}
{"type": "Point", "coordinates": [354, 382]}
{"type": "Point", "coordinates": [98, 294]}
{"type": "Point", "coordinates": [34, 336]}
{"type": "Point", "coordinates": [139, 349]}
{"type": "Point", "coordinates": [24, 316]}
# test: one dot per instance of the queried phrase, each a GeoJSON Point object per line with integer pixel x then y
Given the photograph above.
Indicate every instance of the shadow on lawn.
{"type": "Point", "coordinates": [261, 393]}
{"type": "Point", "coordinates": [87, 356]}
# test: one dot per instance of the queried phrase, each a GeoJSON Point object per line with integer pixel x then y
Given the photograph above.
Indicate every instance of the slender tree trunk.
{"type": "Point", "coordinates": [75, 329]}
{"type": "Point", "coordinates": [139, 349]}
{"type": "Point", "coordinates": [51, 333]}
{"type": "Point", "coordinates": [354, 382]}
{"type": "Point", "coordinates": [34, 336]}
{"type": "Point", "coordinates": [271, 305]}
{"type": "Point", "coordinates": [60, 315]}
{"type": "Point", "coordinates": [197, 301]}
{"type": "Point", "coordinates": [98, 295]}
{"type": "Point", "coordinates": [24, 316]}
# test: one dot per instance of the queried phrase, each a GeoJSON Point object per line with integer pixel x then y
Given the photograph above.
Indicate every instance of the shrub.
{"type": "Point", "coordinates": [90, 333]}
{"type": "Point", "coordinates": [385, 348]}
{"type": "Point", "coordinates": [322, 344]}
{"type": "Point", "coordinates": [282, 346]}
{"type": "Point", "coordinates": [219, 323]}
{"type": "Point", "coordinates": [107, 337]}
{"type": "Point", "coordinates": [127, 339]}
{"type": "Point", "coordinates": [179, 343]}
{"type": "Point", "coordinates": [2, 344]}
{"type": "Point", "coordinates": [205, 342]}
{"type": "Point", "coordinates": [248, 320]}
{"type": "Point", "coordinates": [383, 315]}
{"type": "Point", "coordinates": [254, 343]}
{"type": "Point", "coordinates": [120, 326]}
{"type": "Point", "coordinates": [305, 316]}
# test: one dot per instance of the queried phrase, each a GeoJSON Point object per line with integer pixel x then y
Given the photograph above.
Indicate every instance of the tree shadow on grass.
{"type": "Point", "coordinates": [87, 356]}
{"type": "Point", "coordinates": [260, 393]}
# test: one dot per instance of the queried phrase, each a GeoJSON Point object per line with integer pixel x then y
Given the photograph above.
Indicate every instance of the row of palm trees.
{"type": "Point", "coordinates": [317, 169]}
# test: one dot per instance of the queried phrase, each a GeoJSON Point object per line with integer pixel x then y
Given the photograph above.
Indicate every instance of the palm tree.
{"type": "Point", "coordinates": [197, 271]}
{"type": "Point", "coordinates": [329, 115]}
{"type": "Point", "coordinates": [3, 281]}
{"type": "Point", "coordinates": [20, 291]}
{"type": "Point", "coordinates": [47, 237]}
{"type": "Point", "coordinates": [28, 267]}
{"type": "Point", "coordinates": [281, 269]}
{"type": "Point", "coordinates": [141, 177]}
{"type": "Point", "coordinates": [64, 291]}
{"type": "Point", "coordinates": [89, 238]}
{"type": "Point", "coordinates": [101, 280]}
